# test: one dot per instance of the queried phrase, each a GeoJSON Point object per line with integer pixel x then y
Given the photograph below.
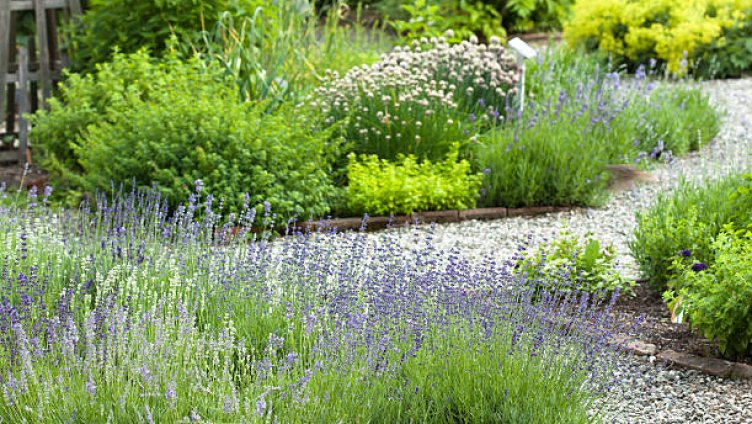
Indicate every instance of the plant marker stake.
{"type": "Point", "coordinates": [522, 51]}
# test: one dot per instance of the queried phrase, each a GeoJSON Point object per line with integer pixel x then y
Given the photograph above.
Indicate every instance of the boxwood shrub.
{"type": "Point", "coordinates": [170, 123]}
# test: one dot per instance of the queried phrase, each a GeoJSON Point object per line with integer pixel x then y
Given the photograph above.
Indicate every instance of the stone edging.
{"type": "Point", "coordinates": [710, 366]}
{"type": "Point", "coordinates": [381, 222]}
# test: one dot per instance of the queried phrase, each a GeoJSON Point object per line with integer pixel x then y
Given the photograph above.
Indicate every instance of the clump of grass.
{"type": "Point", "coordinates": [125, 312]}
{"type": "Point", "coordinates": [280, 50]}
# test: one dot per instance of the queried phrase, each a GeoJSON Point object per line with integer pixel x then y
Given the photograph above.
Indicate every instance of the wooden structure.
{"type": "Point", "coordinates": [29, 70]}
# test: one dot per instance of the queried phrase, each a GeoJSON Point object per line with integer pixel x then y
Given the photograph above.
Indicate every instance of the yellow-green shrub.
{"type": "Point", "coordinates": [635, 31]}
{"type": "Point", "coordinates": [377, 186]}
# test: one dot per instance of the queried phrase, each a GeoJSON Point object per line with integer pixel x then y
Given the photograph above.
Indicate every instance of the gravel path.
{"type": "Point", "coordinates": [656, 394]}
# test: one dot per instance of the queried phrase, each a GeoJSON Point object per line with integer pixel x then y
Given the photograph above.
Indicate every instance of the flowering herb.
{"type": "Point", "coordinates": [121, 310]}
{"type": "Point", "coordinates": [416, 100]}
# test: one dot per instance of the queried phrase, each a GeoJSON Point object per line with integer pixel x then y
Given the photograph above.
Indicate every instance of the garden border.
{"type": "Point", "coordinates": [375, 223]}
{"type": "Point", "coordinates": [710, 366]}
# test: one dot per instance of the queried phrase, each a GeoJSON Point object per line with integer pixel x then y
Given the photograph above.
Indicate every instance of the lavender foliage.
{"type": "Point", "coordinates": [122, 311]}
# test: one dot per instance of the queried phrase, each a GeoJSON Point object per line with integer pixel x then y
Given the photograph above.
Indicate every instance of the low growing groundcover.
{"type": "Point", "coordinates": [122, 312]}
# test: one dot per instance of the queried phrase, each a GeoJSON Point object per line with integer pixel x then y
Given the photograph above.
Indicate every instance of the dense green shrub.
{"type": "Point", "coordinates": [132, 25]}
{"type": "Point", "coordinates": [718, 298]}
{"type": "Point", "coordinates": [477, 16]}
{"type": "Point", "coordinates": [459, 19]}
{"type": "Point", "coordinates": [420, 102]}
{"type": "Point", "coordinates": [380, 187]}
{"type": "Point", "coordinates": [728, 56]}
{"type": "Point", "coordinates": [532, 15]}
{"type": "Point", "coordinates": [688, 219]}
{"type": "Point", "coordinates": [185, 124]}
{"type": "Point", "coordinates": [85, 100]}
{"type": "Point", "coordinates": [586, 266]}
{"type": "Point", "coordinates": [707, 34]}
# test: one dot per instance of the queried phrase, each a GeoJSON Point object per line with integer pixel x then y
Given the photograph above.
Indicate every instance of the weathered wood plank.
{"type": "Point", "coordinates": [23, 105]}
{"type": "Point", "coordinates": [4, 52]}
{"type": "Point", "coordinates": [19, 5]}
{"type": "Point", "coordinates": [32, 63]}
{"type": "Point", "coordinates": [32, 76]}
{"type": "Point", "coordinates": [8, 156]}
{"type": "Point", "coordinates": [10, 119]}
{"type": "Point", "coordinates": [44, 49]}
{"type": "Point", "coordinates": [75, 7]}
{"type": "Point", "coordinates": [52, 33]}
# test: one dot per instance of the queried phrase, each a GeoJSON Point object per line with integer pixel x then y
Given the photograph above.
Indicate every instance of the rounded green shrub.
{"type": "Point", "coordinates": [171, 123]}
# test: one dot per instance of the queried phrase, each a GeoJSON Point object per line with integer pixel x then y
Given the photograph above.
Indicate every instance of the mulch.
{"type": "Point", "coordinates": [13, 176]}
{"type": "Point", "coordinates": [658, 329]}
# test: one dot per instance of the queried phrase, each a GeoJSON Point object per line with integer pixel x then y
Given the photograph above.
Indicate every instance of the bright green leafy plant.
{"type": "Point", "coordinates": [689, 220]}
{"type": "Point", "coordinates": [133, 25]}
{"type": "Point", "coordinates": [586, 265]}
{"type": "Point", "coordinates": [529, 15]}
{"type": "Point", "coordinates": [379, 187]}
{"type": "Point", "coordinates": [717, 297]}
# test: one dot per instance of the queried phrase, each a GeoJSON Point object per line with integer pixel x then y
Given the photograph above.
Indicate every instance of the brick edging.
{"type": "Point", "coordinates": [710, 366]}
{"type": "Point", "coordinates": [381, 222]}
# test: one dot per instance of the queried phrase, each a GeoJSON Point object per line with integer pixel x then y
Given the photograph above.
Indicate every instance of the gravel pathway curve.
{"type": "Point", "coordinates": [656, 394]}
{"type": "Point", "coordinates": [615, 223]}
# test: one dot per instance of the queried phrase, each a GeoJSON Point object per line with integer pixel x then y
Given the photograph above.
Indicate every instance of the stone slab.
{"type": "Point", "coordinates": [531, 211]}
{"type": "Point", "coordinates": [436, 216]}
{"type": "Point", "coordinates": [483, 213]}
{"type": "Point", "coordinates": [710, 366]}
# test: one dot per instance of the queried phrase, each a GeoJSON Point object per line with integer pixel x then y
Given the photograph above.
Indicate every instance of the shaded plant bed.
{"type": "Point", "coordinates": [657, 327]}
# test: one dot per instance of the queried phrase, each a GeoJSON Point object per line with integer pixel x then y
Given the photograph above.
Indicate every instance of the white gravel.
{"type": "Point", "coordinates": [655, 394]}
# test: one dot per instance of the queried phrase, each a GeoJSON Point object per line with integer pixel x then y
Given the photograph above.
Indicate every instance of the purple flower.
{"type": "Point", "coordinates": [91, 387]}
{"type": "Point", "coordinates": [261, 406]}
{"type": "Point", "coordinates": [686, 253]}
{"type": "Point", "coordinates": [699, 266]}
{"type": "Point", "coordinates": [640, 73]}
{"type": "Point", "coordinates": [487, 171]}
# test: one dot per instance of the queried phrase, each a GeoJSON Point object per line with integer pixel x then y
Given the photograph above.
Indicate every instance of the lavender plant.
{"type": "Point", "coordinates": [419, 100]}
{"type": "Point", "coordinates": [123, 312]}
{"type": "Point", "coordinates": [578, 110]}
